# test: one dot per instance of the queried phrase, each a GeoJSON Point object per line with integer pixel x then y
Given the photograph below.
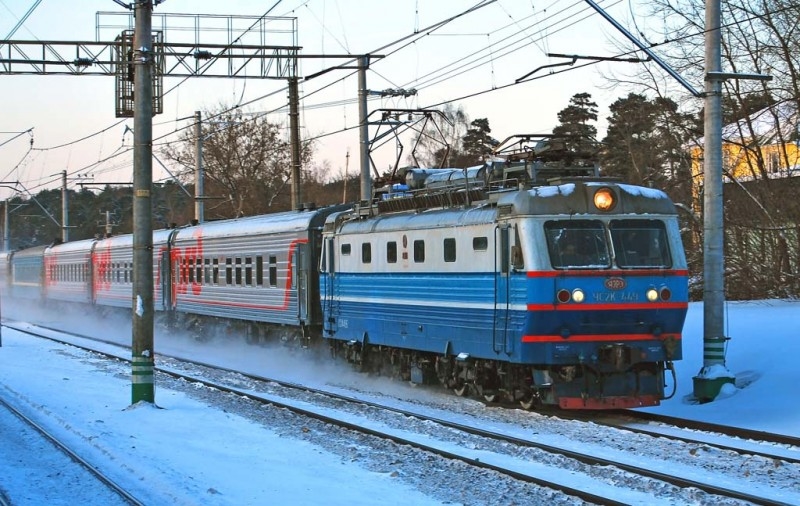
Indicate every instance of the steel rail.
{"type": "Point", "coordinates": [119, 490]}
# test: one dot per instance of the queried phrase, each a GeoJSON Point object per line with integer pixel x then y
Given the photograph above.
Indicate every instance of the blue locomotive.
{"type": "Point", "coordinates": [529, 278]}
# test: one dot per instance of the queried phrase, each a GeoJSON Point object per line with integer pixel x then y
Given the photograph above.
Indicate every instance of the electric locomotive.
{"type": "Point", "coordinates": [514, 282]}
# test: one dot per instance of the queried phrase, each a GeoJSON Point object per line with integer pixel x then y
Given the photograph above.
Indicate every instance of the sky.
{"type": "Point", "coordinates": [195, 453]}
{"type": "Point", "coordinates": [509, 38]}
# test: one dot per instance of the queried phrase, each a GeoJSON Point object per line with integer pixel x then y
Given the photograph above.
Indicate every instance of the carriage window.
{"type": "Point", "coordinates": [238, 271]}
{"type": "Point", "coordinates": [450, 250]}
{"type": "Point", "coordinates": [391, 252]}
{"type": "Point", "coordinates": [419, 251]}
{"type": "Point", "coordinates": [228, 271]}
{"type": "Point", "coordinates": [480, 243]}
{"type": "Point", "coordinates": [248, 271]}
{"type": "Point", "coordinates": [640, 243]}
{"type": "Point", "coordinates": [259, 270]}
{"type": "Point", "coordinates": [273, 271]}
{"type": "Point", "coordinates": [577, 244]}
{"type": "Point", "coordinates": [207, 271]}
{"type": "Point", "coordinates": [345, 249]}
{"type": "Point", "coordinates": [366, 253]}
{"type": "Point", "coordinates": [215, 271]}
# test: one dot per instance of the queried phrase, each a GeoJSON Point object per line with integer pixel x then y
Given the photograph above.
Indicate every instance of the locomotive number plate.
{"type": "Point", "coordinates": [615, 283]}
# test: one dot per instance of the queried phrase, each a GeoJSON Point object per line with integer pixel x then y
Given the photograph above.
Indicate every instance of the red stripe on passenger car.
{"type": "Point", "coordinates": [186, 298]}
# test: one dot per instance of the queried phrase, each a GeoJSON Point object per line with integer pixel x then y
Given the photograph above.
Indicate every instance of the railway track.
{"type": "Point", "coordinates": [739, 440]}
{"type": "Point", "coordinates": [87, 469]}
{"type": "Point", "coordinates": [504, 453]}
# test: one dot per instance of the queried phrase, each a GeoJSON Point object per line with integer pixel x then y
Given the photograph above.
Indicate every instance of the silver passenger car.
{"type": "Point", "coordinates": [259, 268]}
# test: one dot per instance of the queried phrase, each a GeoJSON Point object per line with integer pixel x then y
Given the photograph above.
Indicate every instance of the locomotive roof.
{"type": "Point", "coordinates": [577, 198]}
{"type": "Point", "coordinates": [430, 218]}
{"type": "Point", "coordinates": [569, 198]}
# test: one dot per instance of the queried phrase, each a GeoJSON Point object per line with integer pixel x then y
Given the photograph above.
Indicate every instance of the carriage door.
{"type": "Point", "coordinates": [327, 278]}
{"type": "Point", "coordinates": [501, 290]}
{"type": "Point", "coordinates": [301, 282]}
{"type": "Point", "coordinates": [166, 282]}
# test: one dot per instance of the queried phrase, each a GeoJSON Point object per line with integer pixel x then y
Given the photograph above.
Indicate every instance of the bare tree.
{"type": "Point", "coordinates": [438, 147]}
{"type": "Point", "coordinates": [246, 160]}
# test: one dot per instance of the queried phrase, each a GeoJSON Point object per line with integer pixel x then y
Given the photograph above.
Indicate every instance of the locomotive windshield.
{"type": "Point", "coordinates": [583, 244]}
{"type": "Point", "coordinates": [577, 244]}
{"type": "Point", "coordinates": [640, 243]}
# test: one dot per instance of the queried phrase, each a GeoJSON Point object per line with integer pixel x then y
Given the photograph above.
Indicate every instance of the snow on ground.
{"type": "Point", "coordinates": [181, 452]}
{"type": "Point", "coordinates": [191, 453]}
{"type": "Point", "coordinates": [762, 353]}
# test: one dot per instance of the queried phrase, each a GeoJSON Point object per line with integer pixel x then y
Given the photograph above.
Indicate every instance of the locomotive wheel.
{"type": "Point", "coordinates": [461, 389]}
{"type": "Point", "coordinates": [491, 396]}
{"type": "Point", "coordinates": [528, 402]}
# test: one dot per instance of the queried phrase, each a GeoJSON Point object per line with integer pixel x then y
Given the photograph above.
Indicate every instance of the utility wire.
{"type": "Point", "coordinates": [82, 138]}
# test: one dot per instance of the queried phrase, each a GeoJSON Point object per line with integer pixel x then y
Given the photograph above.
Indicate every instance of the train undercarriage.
{"type": "Point", "coordinates": [606, 386]}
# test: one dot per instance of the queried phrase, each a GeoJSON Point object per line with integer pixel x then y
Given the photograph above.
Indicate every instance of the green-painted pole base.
{"type": "Point", "coordinates": [707, 389]}
{"type": "Point", "coordinates": [142, 385]}
{"type": "Point", "coordinates": [144, 393]}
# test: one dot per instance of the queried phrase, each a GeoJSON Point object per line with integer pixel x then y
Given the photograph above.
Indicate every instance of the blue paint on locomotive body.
{"type": "Point", "coordinates": [435, 312]}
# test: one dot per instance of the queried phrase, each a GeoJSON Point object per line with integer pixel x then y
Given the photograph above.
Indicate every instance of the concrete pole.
{"type": "Point", "coordinates": [294, 128]}
{"type": "Point", "coordinates": [5, 248]}
{"type": "Point", "coordinates": [64, 208]}
{"type": "Point", "coordinates": [142, 388]}
{"type": "Point", "coordinates": [109, 227]}
{"type": "Point", "coordinates": [199, 207]}
{"type": "Point", "coordinates": [6, 230]}
{"type": "Point", "coordinates": [714, 374]}
{"type": "Point", "coordinates": [363, 129]}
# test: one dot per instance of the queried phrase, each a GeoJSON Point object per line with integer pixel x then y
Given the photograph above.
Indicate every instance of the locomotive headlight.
{"type": "Point", "coordinates": [652, 294]}
{"type": "Point", "coordinates": [577, 295]}
{"type": "Point", "coordinates": [665, 293]}
{"type": "Point", "coordinates": [604, 199]}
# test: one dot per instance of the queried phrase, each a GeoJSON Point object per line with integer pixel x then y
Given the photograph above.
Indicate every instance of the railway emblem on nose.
{"type": "Point", "coordinates": [615, 283]}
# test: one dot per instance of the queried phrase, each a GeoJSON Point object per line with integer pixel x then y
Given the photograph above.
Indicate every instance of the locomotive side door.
{"type": "Point", "coordinates": [327, 279]}
{"type": "Point", "coordinates": [501, 288]}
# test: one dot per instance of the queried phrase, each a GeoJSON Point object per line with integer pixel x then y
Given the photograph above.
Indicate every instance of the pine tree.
{"type": "Point", "coordinates": [574, 128]}
{"type": "Point", "coordinates": [477, 143]}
